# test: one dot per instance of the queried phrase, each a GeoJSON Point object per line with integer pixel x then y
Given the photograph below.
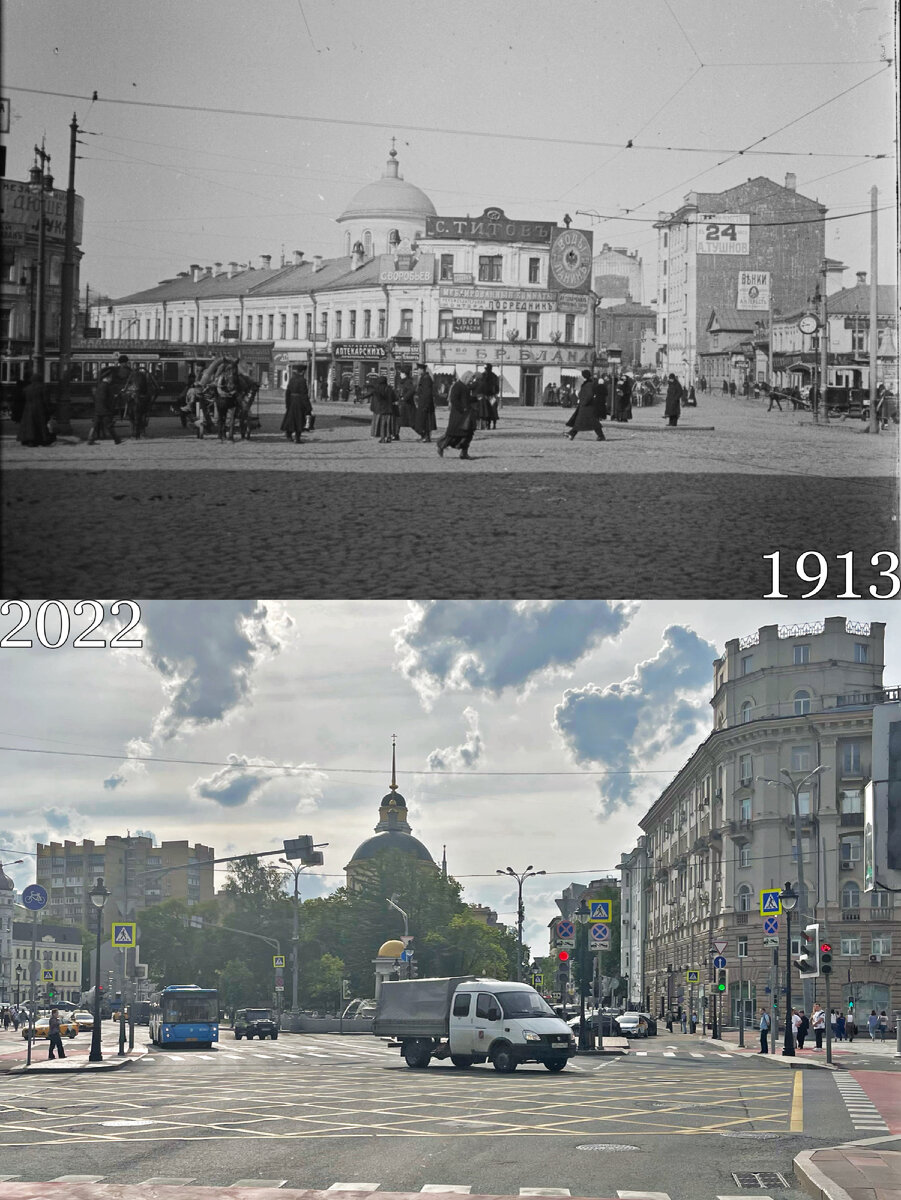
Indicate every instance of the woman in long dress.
{"type": "Point", "coordinates": [34, 429]}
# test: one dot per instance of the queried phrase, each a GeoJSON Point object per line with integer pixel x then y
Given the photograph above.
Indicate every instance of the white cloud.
{"type": "Point", "coordinates": [626, 724]}
{"type": "Point", "coordinates": [136, 749]}
{"type": "Point", "coordinates": [491, 645]}
{"type": "Point", "coordinates": [465, 756]}
{"type": "Point", "coordinates": [245, 780]}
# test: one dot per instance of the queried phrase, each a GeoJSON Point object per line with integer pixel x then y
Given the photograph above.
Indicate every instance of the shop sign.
{"type": "Point", "coordinates": [492, 226]}
{"type": "Point", "coordinates": [724, 233]}
{"type": "Point", "coordinates": [570, 260]}
{"type": "Point", "coordinates": [12, 235]}
{"type": "Point", "coordinates": [533, 354]}
{"type": "Point", "coordinates": [501, 299]}
{"type": "Point", "coordinates": [569, 302]}
{"type": "Point", "coordinates": [753, 290]}
{"type": "Point", "coordinates": [405, 268]}
{"type": "Point", "coordinates": [360, 350]}
{"type": "Point", "coordinates": [467, 324]}
{"type": "Point", "coordinates": [22, 208]}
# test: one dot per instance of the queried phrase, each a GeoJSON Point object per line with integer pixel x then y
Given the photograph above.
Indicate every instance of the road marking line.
{"type": "Point", "coordinates": [797, 1113]}
{"type": "Point", "coordinates": [649, 1196]}
{"type": "Point", "coordinates": [641, 1053]}
{"type": "Point", "coordinates": [353, 1187]}
{"type": "Point", "coordinates": [545, 1192]}
{"type": "Point", "coordinates": [77, 1179]}
{"type": "Point", "coordinates": [259, 1183]}
{"type": "Point", "coordinates": [458, 1189]}
{"type": "Point", "coordinates": [669, 1054]}
{"type": "Point", "coordinates": [722, 1054]}
{"type": "Point", "coordinates": [166, 1181]}
{"type": "Point", "coordinates": [695, 1054]}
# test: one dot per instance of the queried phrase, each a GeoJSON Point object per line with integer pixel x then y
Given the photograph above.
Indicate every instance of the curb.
{"type": "Point", "coordinates": [795, 1063]}
{"type": "Point", "coordinates": [812, 1180]}
{"type": "Point", "coordinates": [108, 1064]}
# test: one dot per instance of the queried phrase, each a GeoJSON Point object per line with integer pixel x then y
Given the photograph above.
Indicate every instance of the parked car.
{"type": "Point", "coordinates": [259, 1022]}
{"type": "Point", "coordinates": [603, 1023]}
{"type": "Point", "coordinates": [632, 1024]}
{"type": "Point", "coordinates": [67, 1026]}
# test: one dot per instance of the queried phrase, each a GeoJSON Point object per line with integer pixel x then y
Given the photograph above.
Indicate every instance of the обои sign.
{"type": "Point", "coordinates": [492, 226]}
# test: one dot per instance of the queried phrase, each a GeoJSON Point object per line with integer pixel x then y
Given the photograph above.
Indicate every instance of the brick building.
{"type": "Point", "coordinates": [623, 325]}
{"type": "Point", "coordinates": [616, 275]}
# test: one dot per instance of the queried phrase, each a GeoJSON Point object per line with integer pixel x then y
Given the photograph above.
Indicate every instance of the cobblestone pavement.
{"type": "Point", "coordinates": [653, 512]}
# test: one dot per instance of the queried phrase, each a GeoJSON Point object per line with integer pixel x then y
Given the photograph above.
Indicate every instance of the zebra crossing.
{"type": "Point", "coordinates": [460, 1189]}
{"type": "Point", "coordinates": [861, 1109]}
{"type": "Point", "coordinates": [689, 1053]}
{"type": "Point", "coordinates": [299, 1052]}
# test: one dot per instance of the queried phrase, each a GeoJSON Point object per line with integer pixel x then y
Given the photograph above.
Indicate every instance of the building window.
{"type": "Point", "coordinates": [851, 758]}
{"type": "Point", "coordinates": [744, 809]}
{"type": "Point", "coordinates": [665, 239]}
{"type": "Point", "coordinates": [367, 323]}
{"type": "Point", "coordinates": [664, 325]}
{"type": "Point", "coordinates": [745, 768]}
{"type": "Point", "coordinates": [881, 943]}
{"type": "Point", "coordinates": [382, 318]}
{"type": "Point", "coordinates": [323, 325]}
{"type": "Point", "coordinates": [852, 802]}
{"type": "Point", "coordinates": [532, 326]}
{"type": "Point", "coordinates": [802, 703]}
{"type": "Point", "coordinates": [445, 323]}
{"type": "Point", "coordinates": [270, 325]}
{"type": "Point", "coordinates": [490, 268]}
{"type": "Point", "coordinates": [743, 899]}
{"type": "Point", "coordinates": [851, 946]}
{"type": "Point", "coordinates": [850, 895]}
{"type": "Point", "coordinates": [283, 325]}
{"type": "Point", "coordinates": [800, 758]}
{"type": "Point", "coordinates": [742, 947]}
{"type": "Point", "coordinates": [569, 328]}
{"type": "Point", "coordinates": [489, 326]}
{"type": "Point", "coordinates": [352, 331]}
{"type": "Point", "coordinates": [406, 322]}
{"type": "Point", "coordinates": [181, 329]}
{"type": "Point", "coordinates": [367, 243]}
{"type": "Point", "coordinates": [663, 301]}
{"type": "Point", "coordinates": [309, 326]}
{"type": "Point", "coordinates": [805, 849]}
{"type": "Point", "coordinates": [746, 709]}
{"type": "Point", "coordinates": [804, 804]}
{"type": "Point", "coordinates": [850, 848]}
{"type": "Point", "coordinates": [295, 327]}
{"type": "Point", "coordinates": [338, 317]}
{"type": "Point", "coordinates": [260, 327]}
{"type": "Point", "coordinates": [447, 267]}
{"type": "Point", "coordinates": [747, 664]}
{"type": "Point", "coordinates": [249, 329]}
{"type": "Point", "coordinates": [801, 655]}
{"type": "Point", "coordinates": [534, 270]}
{"type": "Point", "coordinates": [744, 856]}
{"type": "Point", "coordinates": [880, 900]}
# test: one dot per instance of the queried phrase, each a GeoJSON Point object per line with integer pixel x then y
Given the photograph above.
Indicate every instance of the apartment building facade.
{"type": "Point", "coordinates": [792, 713]}
{"type": "Point", "coordinates": [57, 948]}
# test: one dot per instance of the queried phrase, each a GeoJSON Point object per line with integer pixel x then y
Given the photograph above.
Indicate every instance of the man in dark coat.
{"type": "Point", "coordinates": [297, 404]}
{"type": "Point", "coordinates": [590, 409]}
{"type": "Point", "coordinates": [33, 425]}
{"type": "Point", "coordinates": [461, 421]}
{"type": "Point", "coordinates": [674, 395]}
{"type": "Point", "coordinates": [487, 390]}
{"type": "Point", "coordinates": [104, 423]}
{"type": "Point", "coordinates": [624, 400]}
{"type": "Point", "coordinates": [406, 399]}
{"type": "Point", "coordinates": [425, 421]}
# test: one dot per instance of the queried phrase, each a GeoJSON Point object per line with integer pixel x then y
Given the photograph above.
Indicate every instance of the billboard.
{"type": "Point", "coordinates": [724, 233]}
{"type": "Point", "coordinates": [753, 290]}
{"type": "Point", "coordinates": [569, 268]}
{"type": "Point", "coordinates": [21, 211]}
{"type": "Point", "coordinates": [492, 226]}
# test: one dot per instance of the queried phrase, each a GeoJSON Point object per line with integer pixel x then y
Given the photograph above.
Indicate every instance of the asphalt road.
{"type": "Point", "coordinates": [314, 1111]}
{"type": "Point", "coordinates": [652, 512]}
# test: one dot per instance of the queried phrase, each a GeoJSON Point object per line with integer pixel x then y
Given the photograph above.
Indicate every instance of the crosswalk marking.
{"type": "Point", "coordinates": [77, 1179]}
{"type": "Point", "coordinates": [695, 1054]}
{"type": "Point", "coordinates": [166, 1181]}
{"type": "Point", "coordinates": [259, 1183]}
{"type": "Point", "coordinates": [353, 1187]}
{"type": "Point", "coordinates": [669, 1054]}
{"type": "Point", "coordinates": [545, 1192]}
{"type": "Point", "coordinates": [643, 1195]}
{"type": "Point", "coordinates": [457, 1189]}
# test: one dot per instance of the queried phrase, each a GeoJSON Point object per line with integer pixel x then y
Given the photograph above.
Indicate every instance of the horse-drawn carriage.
{"type": "Point", "coordinates": [224, 392]}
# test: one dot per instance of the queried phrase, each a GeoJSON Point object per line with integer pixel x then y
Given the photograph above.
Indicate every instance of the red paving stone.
{"type": "Point", "coordinates": [884, 1089]}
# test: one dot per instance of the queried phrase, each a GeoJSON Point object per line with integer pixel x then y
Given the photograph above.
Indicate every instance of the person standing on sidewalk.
{"type": "Point", "coordinates": [56, 1041]}
{"type": "Point", "coordinates": [803, 1027]}
{"type": "Point", "coordinates": [882, 1025]}
{"type": "Point", "coordinates": [796, 1027]}
{"type": "Point", "coordinates": [872, 1022]}
{"type": "Point", "coordinates": [764, 1031]}
{"type": "Point", "coordinates": [461, 421]}
{"type": "Point", "coordinates": [819, 1024]}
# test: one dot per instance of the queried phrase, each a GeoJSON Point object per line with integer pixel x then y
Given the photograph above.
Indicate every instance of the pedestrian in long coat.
{"type": "Point", "coordinates": [34, 429]}
{"type": "Point", "coordinates": [590, 409]}
{"type": "Point", "coordinates": [674, 395]}
{"type": "Point", "coordinates": [297, 405]}
{"type": "Point", "coordinates": [425, 404]}
{"type": "Point", "coordinates": [624, 400]}
{"type": "Point", "coordinates": [383, 403]}
{"type": "Point", "coordinates": [486, 389]}
{"type": "Point", "coordinates": [461, 421]}
{"type": "Point", "coordinates": [104, 423]}
{"type": "Point", "coordinates": [406, 399]}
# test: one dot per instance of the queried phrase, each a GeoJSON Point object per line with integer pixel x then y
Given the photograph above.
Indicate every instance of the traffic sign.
{"type": "Point", "coordinates": [719, 962]}
{"type": "Point", "coordinates": [771, 943]}
{"type": "Point", "coordinates": [599, 934]}
{"type": "Point", "coordinates": [279, 981]}
{"type": "Point", "coordinates": [692, 976]}
{"type": "Point", "coordinates": [34, 897]}
{"type": "Point", "coordinates": [279, 989]}
{"type": "Point", "coordinates": [720, 947]}
{"type": "Point", "coordinates": [46, 976]}
{"type": "Point", "coordinates": [599, 910]}
{"type": "Point", "coordinates": [278, 960]}
{"type": "Point", "coordinates": [123, 934]}
{"type": "Point", "coordinates": [771, 925]}
{"type": "Point", "coordinates": [406, 955]}
{"type": "Point", "coordinates": [770, 902]}
{"type": "Point", "coordinates": [565, 930]}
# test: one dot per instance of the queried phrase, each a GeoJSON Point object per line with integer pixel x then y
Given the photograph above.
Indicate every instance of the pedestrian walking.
{"type": "Point", "coordinates": [818, 1020]}
{"type": "Point", "coordinates": [756, 391]}
{"type": "Point", "coordinates": [624, 397]}
{"type": "Point", "coordinates": [851, 1027]}
{"type": "Point", "coordinates": [732, 388]}
{"type": "Point", "coordinates": [872, 1023]}
{"type": "Point", "coordinates": [591, 409]}
{"type": "Point", "coordinates": [56, 1041]}
{"type": "Point", "coordinates": [803, 1027]}
{"type": "Point", "coordinates": [882, 1025]}
{"type": "Point", "coordinates": [461, 420]}
{"type": "Point", "coordinates": [104, 423]}
{"type": "Point", "coordinates": [425, 404]}
{"type": "Point", "coordinates": [486, 389]}
{"type": "Point", "coordinates": [6, 1018]}
{"type": "Point", "coordinates": [15, 1020]}
{"type": "Point", "coordinates": [674, 395]}
{"type": "Point", "coordinates": [297, 404]}
{"type": "Point", "coordinates": [683, 1020]}
{"type": "Point", "coordinates": [840, 1027]}
{"type": "Point", "coordinates": [382, 404]}
{"type": "Point", "coordinates": [725, 387]}
{"type": "Point", "coordinates": [691, 400]}
{"type": "Point", "coordinates": [796, 1025]}
{"type": "Point", "coordinates": [764, 1031]}
{"type": "Point", "coordinates": [702, 384]}
{"type": "Point", "coordinates": [406, 401]}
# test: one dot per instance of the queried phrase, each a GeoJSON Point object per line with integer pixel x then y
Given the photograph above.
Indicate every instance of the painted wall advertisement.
{"type": "Point", "coordinates": [753, 290]}
{"type": "Point", "coordinates": [535, 354]}
{"type": "Point", "coordinates": [724, 233]}
{"type": "Point", "coordinates": [21, 211]}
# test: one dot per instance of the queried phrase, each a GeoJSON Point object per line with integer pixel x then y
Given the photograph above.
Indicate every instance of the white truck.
{"type": "Point", "coordinates": [471, 1020]}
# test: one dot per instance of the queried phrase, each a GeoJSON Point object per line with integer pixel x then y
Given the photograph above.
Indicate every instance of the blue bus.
{"type": "Point", "coordinates": [185, 1015]}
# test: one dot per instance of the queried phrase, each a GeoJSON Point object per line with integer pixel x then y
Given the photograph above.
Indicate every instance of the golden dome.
{"type": "Point", "coordinates": [391, 949]}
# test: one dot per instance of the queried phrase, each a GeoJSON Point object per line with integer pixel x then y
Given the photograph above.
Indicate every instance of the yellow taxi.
{"type": "Point", "coordinates": [68, 1026]}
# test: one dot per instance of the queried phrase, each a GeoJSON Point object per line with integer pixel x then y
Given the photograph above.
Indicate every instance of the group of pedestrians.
{"type": "Point", "coordinates": [11, 1015]}
{"type": "Point", "coordinates": [842, 1027]}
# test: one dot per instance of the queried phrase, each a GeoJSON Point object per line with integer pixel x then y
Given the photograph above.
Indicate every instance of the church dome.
{"type": "Point", "coordinates": [389, 197]}
{"type": "Point", "coordinates": [392, 839]}
{"type": "Point", "coordinates": [6, 884]}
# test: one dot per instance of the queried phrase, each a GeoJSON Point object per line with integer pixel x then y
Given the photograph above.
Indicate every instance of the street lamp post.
{"type": "Point", "coordinates": [520, 878]}
{"type": "Point", "coordinates": [398, 908]}
{"type": "Point", "coordinates": [98, 895]}
{"type": "Point", "coordinates": [582, 915]}
{"type": "Point", "coordinates": [18, 982]}
{"type": "Point", "coordinates": [789, 899]}
{"type": "Point", "coordinates": [295, 937]}
{"type": "Point", "coordinates": [40, 182]}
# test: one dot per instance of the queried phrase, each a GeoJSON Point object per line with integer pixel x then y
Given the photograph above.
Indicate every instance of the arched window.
{"type": "Point", "coordinates": [802, 703]}
{"type": "Point", "coordinates": [851, 895]}
{"type": "Point", "coordinates": [743, 899]}
{"type": "Point", "coordinates": [746, 709]}
{"type": "Point", "coordinates": [367, 243]}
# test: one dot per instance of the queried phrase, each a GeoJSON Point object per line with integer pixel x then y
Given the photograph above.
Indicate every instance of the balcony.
{"type": "Point", "coordinates": [741, 918]}
{"type": "Point", "coordinates": [806, 823]}
{"type": "Point", "coordinates": [852, 818]}
{"type": "Point", "coordinates": [850, 914]}
{"type": "Point", "coordinates": [740, 830]}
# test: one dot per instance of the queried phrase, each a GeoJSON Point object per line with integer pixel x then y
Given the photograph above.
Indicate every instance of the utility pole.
{"type": "Point", "coordinates": [67, 299]}
{"type": "Point", "coordinates": [42, 181]}
{"type": "Point", "coordinates": [874, 311]}
{"type": "Point", "coordinates": [824, 382]}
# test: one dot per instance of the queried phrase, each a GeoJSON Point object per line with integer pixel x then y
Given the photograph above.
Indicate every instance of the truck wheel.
{"type": "Point", "coordinates": [274, 1036]}
{"type": "Point", "coordinates": [555, 1064]}
{"type": "Point", "coordinates": [503, 1060]}
{"type": "Point", "coordinates": [416, 1054]}
{"type": "Point", "coordinates": [237, 1037]}
{"type": "Point", "coordinates": [462, 1061]}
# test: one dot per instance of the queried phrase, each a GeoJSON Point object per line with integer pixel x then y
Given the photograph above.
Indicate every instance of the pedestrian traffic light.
{"type": "Point", "coordinates": [722, 979]}
{"type": "Point", "coordinates": [850, 1006]}
{"type": "Point", "coordinates": [808, 962]}
{"type": "Point", "coordinates": [51, 994]}
{"type": "Point", "coordinates": [826, 958]}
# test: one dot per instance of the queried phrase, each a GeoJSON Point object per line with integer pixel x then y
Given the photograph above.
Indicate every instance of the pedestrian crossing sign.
{"type": "Point", "coordinates": [599, 910]}
{"type": "Point", "coordinates": [692, 976]}
{"type": "Point", "coordinates": [123, 935]}
{"type": "Point", "coordinates": [46, 976]}
{"type": "Point", "coordinates": [770, 902]}
{"type": "Point", "coordinates": [278, 960]}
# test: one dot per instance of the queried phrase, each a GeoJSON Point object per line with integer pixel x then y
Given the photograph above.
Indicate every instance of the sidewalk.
{"type": "Point", "coordinates": [849, 1173]}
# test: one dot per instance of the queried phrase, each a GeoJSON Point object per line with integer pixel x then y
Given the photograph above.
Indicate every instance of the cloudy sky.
{"type": "Point", "coordinates": [225, 130]}
{"type": "Point", "coordinates": [527, 733]}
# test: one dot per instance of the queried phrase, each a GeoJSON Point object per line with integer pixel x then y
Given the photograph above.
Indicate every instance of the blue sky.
{"type": "Point", "coordinates": [287, 107]}
{"type": "Point", "coordinates": [275, 719]}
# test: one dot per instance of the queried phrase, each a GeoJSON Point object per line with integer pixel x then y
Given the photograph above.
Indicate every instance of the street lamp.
{"type": "Point", "coordinates": [795, 788]}
{"type": "Point", "coordinates": [40, 182]}
{"type": "Point", "coordinates": [520, 878]}
{"type": "Point", "coordinates": [294, 936]}
{"type": "Point", "coordinates": [18, 982]}
{"type": "Point", "coordinates": [398, 908]}
{"type": "Point", "coordinates": [789, 899]}
{"type": "Point", "coordinates": [582, 916]}
{"type": "Point", "coordinates": [98, 895]}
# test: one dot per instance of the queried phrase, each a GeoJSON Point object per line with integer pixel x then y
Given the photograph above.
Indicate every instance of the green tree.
{"type": "Point", "coordinates": [322, 986]}
{"type": "Point", "coordinates": [238, 987]}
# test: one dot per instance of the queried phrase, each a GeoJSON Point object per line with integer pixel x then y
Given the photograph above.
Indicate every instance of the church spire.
{"type": "Point", "coordinates": [393, 809]}
{"type": "Point", "coordinates": [393, 784]}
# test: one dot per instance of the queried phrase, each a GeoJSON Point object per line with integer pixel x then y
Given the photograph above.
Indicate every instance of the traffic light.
{"type": "Point", "coordinates": [51, 994]}
{"type": "Point", "coordinates": [826, 958]}
{"type": "Point", "coordinates": [850, 1006]}
{"type": "Point", "coordinates": [722, 980]}
{"type": "Point", "coordinates": [808, 962]}
{"type": "Point", "coordinates": [563, 957]}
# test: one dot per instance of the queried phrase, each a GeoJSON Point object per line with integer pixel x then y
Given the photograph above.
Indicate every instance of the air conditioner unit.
{"type": "Point", "coordinates": [875, 958]}
{"type": "Point", "coordinates": [847, 865]}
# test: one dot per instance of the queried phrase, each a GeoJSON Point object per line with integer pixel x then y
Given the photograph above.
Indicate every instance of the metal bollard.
{"type": "Point", "coordinates": [898, 1035]}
